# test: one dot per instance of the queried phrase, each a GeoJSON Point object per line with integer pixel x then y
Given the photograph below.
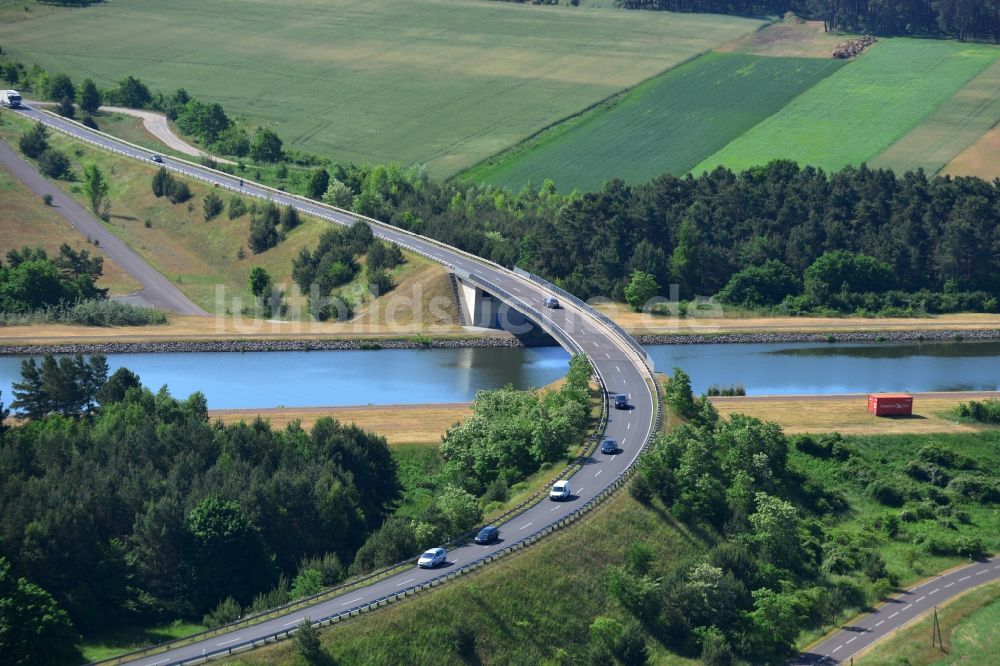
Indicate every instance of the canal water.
{"type": "Point", "coordinates": [315, 378]}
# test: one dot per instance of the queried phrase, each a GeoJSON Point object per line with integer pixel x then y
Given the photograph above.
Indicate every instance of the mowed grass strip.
{"type": "Point", "coordinates": [950, 129]}
{"type": "Point", "coordinates": [442, 82]}
{"type": "Point", "coordinates": [850, 117]}
{"type": "Point", "coordinates": [668, 124]}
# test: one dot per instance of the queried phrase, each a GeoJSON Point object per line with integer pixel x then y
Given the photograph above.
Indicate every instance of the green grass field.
{"type": "Point", "coordinates": [864, 108]}
{"type": "Point", "coordinates": [442, 82]}
{"type": "Point", "coordinates": [670, 123]}
{"type": "Point", "coordinates": [949, 129]}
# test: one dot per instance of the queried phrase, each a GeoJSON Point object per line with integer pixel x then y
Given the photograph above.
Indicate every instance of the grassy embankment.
{"type": "Point", "coordinates": [968, 627]}
{"type": "Point", "coordinates": [536, 606]}
{"type": "Point", "coordinates": [27, 221]}
{"type": "Point", "coordinates": [439, 83]}
{"type": "Point", "coordinates": [857, 113]}
{"type": "Point", "coordinates": [199, 256]}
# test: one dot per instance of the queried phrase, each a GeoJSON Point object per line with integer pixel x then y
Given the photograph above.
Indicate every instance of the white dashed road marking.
{"type": "Point", "coordinates": [893, 615]}
{"type": "Point", "coordinates": [231, 640]}
{"type": "Point", "coordinates": [949, 584]}
{"type": "Point", "coordinates": [880, 623]}
{"type": "Point", "coordinates": [524, 526]}
{"type": "Point", "coordinates": [405, 582]}
{"type": "Point", "coordinates": [907, 607]}
{"type": "Point", "coordinates": [936, 589]}
{"type": "Point", "coordinates": [836, 648]}
{"type": "Point", "coordinates": [964, 578]}
{"type": "Point", "coordinates": [352, 601]}
{"type": "Point", "coordinates": [295, 621]}
{"type": "Point", "coordinates": [851, 640]}
{"type": "Point", "coordinates": [598, 473]}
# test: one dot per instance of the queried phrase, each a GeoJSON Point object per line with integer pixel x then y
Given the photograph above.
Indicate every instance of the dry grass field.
{"type": "Point", "coordinates": [980, 159]}
{"type": "Point", "coordinates": [847, 414]}
{"type": "Point", "coordinates": [399, 424]}
{"type": "Point", "coordinates": [640, 323]}
{"type": "Point", "coordinates": [25, 221]}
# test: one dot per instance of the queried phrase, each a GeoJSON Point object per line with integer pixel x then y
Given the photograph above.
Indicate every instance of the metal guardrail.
{"type": "Point", "coordinates": [317, 208]}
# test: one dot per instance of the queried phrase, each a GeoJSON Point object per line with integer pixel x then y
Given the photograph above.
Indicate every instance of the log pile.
{"type": "Point", "coordinates": [853, 47]}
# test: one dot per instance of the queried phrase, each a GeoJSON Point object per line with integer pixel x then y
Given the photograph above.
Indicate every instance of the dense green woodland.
{"type": "Point", "coordinates": [147, 511]}
{"type": "Point", "coordinates": [130, 507]}
{"type": "Point", "coordinates": [964, 19]}
{"type": "Point", "coordinates": [893, 243]}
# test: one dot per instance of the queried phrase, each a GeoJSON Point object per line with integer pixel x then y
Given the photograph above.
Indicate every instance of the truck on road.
{"type": "Point", "coordinates": [10, 98]}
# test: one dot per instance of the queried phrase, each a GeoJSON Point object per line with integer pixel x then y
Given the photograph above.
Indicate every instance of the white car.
{"type": "Point", "coordinates": [432, 558]}
{"type": "Point", "coordinates": [560, 491]}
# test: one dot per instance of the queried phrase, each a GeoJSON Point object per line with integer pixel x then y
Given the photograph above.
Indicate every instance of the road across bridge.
{"type": "Point", "coordinates": [618, 362]}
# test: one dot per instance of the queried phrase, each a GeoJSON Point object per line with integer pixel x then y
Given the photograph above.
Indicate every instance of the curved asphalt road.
{"type": "Point", "coordinates": [157, 290]}
{"type": "Point", "coordinates": [896, 612]}
{"type": "Point", "coordinates": [622, 370]}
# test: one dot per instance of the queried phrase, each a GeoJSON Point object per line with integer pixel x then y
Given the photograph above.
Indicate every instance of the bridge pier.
{"type": "Point", "coordinates": [480, 308]}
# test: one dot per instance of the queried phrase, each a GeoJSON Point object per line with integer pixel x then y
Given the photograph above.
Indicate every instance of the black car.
{"type": "Point", "coordinates": [609, 446]}
{"type": "Point", "coordinates": [487, 535]}
{"type": "Point", "coordinates": [156, 158]}
{"type": "Point", "coordinates": [621, 401]}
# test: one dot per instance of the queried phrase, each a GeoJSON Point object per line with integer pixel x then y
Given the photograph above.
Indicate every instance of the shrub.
{"type": "Point", "coordinates": [227, 611]}
{"type": "Point", "coordinates": [885, 494]}
{"type": "Point", "coordinates": [53, 163]}
{"type": "Point", "coordinates": [93, 312]}
{"type": "Point", "coordinates": [212, 205]}
{"type": "Point", "coordinates": [237, 207]}
{"type": "Point", "coordinates": [177, 191]}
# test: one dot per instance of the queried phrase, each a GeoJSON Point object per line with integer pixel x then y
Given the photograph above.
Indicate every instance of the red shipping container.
{"type": "Point", "coordinates": [890, 404]}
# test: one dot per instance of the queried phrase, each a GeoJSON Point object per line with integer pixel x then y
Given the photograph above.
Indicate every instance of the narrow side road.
{"type": "Point", "coordinates": [157, 290]}
{"type": "Point", "coordinates": [902, 609]}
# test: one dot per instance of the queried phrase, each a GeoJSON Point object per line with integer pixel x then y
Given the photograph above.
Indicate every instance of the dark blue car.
{"type": "Point", "coordinates": [609, 446]}
{"type": "Point", "coordinates": [487, 535]}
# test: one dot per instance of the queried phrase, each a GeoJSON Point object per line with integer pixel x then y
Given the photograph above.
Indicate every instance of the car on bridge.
{"type": "Point", "coordinates": [432, 558]}
{"type": "Point", "coordinates": [551, 302]}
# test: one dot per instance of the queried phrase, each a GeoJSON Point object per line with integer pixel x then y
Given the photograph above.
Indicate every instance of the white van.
{"type": "Point", "coordinates": [560, 491]}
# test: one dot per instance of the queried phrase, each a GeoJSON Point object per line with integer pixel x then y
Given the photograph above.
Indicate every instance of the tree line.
{"type": "Point", "coordinates": [964, 19]}
{"type": "Point", "coordinates": [132, 507]}
{"type": "Point", "coordinates": [780, 236]}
